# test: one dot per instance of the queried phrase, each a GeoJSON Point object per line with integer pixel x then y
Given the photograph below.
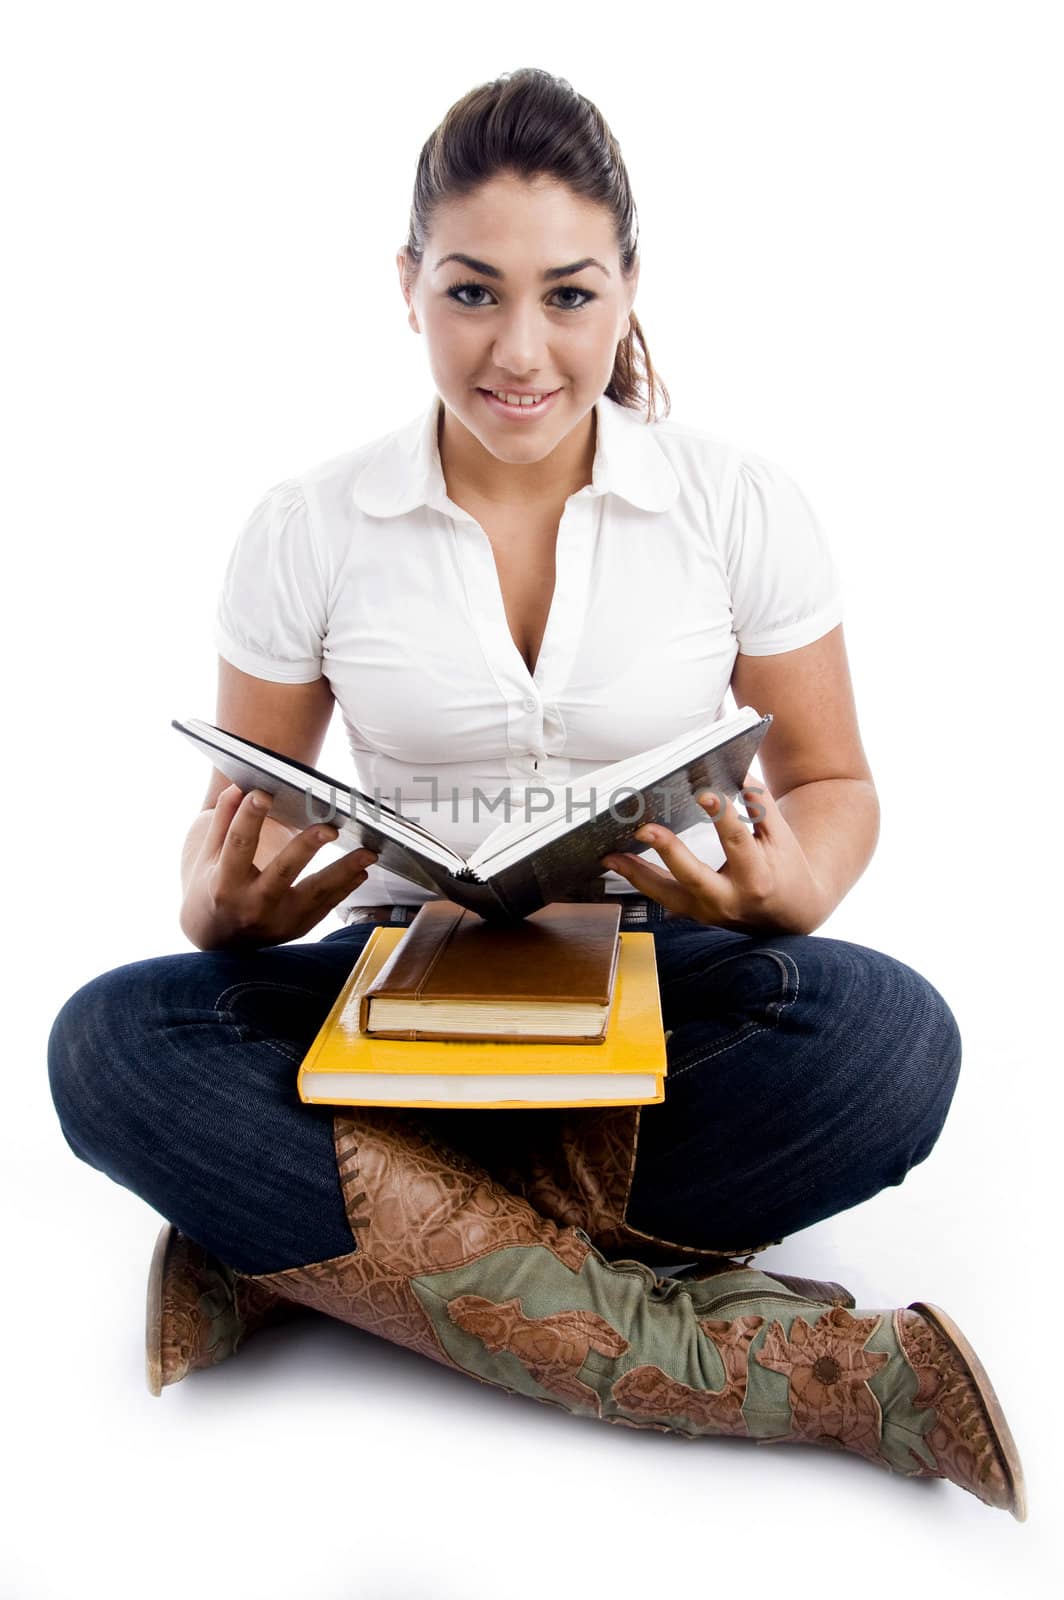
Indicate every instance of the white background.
{"type": "Point", "coordinates": [850, 264]}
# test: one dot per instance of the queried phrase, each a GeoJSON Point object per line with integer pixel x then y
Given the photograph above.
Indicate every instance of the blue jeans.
{"type": "Point", "coordinates": [805, 1074]}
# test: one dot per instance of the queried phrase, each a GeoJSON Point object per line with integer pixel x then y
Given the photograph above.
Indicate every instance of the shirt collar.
{"type": "Point", "coordinates": [405, 471]}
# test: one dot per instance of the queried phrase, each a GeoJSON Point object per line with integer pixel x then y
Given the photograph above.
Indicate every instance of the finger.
{"type": "Point", "coordinates": [237, 859]}
{"type": "Point", "coordinates": [735, 835]}
{"type": "Point", "coordinates": [286, 866]}
{"type": "Point", "coordinates": [221, 816]}
{"type": "Point", "coordinates": [758, 803]}
{"type": "Point", "coordinates": [325, 888]}
{"type": "Point", "coordinates": [650, 880]}
{"type": "Point", "coordinates": [687, 868]}
{"type": "Point", "coordinates": [760, 806]}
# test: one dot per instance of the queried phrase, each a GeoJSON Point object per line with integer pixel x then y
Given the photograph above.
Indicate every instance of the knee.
{"type": "Point", "coordinates": [893, 1039]}
{"type": "Point", "coordinates": [83, 1053]}
{"type": "Point", "coordinates": [917, 1077]}
{"type": "Point", "coordinates": [919, 1040]}
{"type": "Point", "coordinates": [932, 1069]}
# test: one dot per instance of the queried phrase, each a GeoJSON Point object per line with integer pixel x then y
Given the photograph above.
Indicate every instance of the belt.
{"type": "Point", "coordinates": [637, 911]}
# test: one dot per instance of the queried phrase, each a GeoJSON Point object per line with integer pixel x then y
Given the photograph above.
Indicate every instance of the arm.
{"type": "Point", "coordinates": [812, 757]}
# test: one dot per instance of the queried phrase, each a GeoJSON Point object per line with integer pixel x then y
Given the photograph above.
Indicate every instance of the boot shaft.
{"type": "Point", "coordinates": [452, 1264]}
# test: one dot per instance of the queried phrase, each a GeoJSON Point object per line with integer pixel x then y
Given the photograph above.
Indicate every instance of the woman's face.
{"type": "Point", "coordinates": [512, 327]}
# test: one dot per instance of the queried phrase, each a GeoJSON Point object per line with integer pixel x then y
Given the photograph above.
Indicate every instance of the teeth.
{"type": "Point", "coordinates": [516, 399]}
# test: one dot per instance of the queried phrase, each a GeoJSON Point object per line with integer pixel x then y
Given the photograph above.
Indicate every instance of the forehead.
{"type": "Point", "coordinates": [521, 221]}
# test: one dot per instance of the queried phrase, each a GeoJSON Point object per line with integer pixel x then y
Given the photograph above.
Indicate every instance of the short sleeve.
{"type": "Point", "coordinates": [786, 587]}
{"type": "Point", "coordinates": [271, 614]}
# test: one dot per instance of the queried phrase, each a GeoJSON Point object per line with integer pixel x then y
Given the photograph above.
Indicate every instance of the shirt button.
{"type": "Point", "coordinates": [530, 705]}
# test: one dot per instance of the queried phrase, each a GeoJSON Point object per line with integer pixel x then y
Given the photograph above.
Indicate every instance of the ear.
{"type": "Point", "coordinates": [400, 262]}
{"type": "Point", "coordinates": [632, 286]}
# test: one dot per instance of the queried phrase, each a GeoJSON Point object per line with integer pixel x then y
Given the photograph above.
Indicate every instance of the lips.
{"type": "Point", "coordinates": [501, 389]}
{"type": "Point", "coordinates": [520, 415]}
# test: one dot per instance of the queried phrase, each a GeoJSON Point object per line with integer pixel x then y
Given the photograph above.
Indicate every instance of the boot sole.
{"type": "Point", "coordinates": [153, 1321]}
{"type": "Point", "coordinates": [995, 1416]}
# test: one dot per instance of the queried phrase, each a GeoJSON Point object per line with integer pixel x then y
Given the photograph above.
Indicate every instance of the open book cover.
{"type": "Point", "coordinates": [523, 864]}
{"type": "Point", "coordinates": [345, 1066]}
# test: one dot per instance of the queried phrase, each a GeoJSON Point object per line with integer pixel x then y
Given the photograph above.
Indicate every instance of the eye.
{"type": "Point", "coordinates": [458, 289]}
{"type": "Point", "coordinates": [587, 294]}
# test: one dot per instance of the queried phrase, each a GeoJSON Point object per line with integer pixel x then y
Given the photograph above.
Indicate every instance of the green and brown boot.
{"type": "Point", "coordinates": [452, 1264]}
{"type": "Point", "coordinates": [199, 1310]}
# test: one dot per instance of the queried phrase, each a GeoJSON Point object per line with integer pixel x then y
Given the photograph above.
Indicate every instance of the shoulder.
{"type": "Point", "coordinates": [387, 474]}
{"type": "Point", "coordinates": [734, 477]}
{"type": "Point", "coordinates": [324, 501]}
{"type": "Point", "coordinates": [706, 461]}
{"type": "Point", "coordinates": [330, 483]}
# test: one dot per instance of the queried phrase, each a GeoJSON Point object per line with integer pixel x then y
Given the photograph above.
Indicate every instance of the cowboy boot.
{"type": "Point", "coordinates": [199, 1310]}
{"type": "Point", "coordinates": [451, 1264]}
{"type": "Point", "coordinates": [575, 1165]}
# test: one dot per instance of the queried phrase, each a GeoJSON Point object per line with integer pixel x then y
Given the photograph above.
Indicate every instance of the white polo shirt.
{"type": "Point", "coordinates": [680, 552]}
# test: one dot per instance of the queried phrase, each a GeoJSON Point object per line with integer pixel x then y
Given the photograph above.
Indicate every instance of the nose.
{"type": "Point", "coordinates": [520, 346]}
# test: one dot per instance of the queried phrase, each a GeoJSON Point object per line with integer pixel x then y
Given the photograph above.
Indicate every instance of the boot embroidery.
{"type": "Point", "coordinates": [422, 1206]}
{"type": "Point", "coordinates": [831, 1401]}
{"type": "Point", "coordinates": [361, 1221]}
{"type": "Point", "coordinates": [552, 1349]}
{"type": "Point", "coordinates": [959, 1436]}
{"type": "Point", "coordinates": [649, 1392]}
{"type": "Point", "coordinates": [200, 1323]}
{"type": "Point", "coordinates": [358, 1290]}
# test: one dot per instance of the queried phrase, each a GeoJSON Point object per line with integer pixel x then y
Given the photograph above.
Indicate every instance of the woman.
{"type": "Point", "coordinates": [524, 583]}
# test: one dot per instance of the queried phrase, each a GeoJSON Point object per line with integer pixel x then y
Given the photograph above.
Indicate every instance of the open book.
{"type": "Point", "coordinates": [523, 864]}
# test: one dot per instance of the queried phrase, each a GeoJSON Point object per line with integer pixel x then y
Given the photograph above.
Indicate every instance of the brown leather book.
{"type": "Point", "coordinates": [546, 980]}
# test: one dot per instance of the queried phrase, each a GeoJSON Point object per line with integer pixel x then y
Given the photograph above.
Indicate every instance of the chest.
{"type": "Point", "coordinates": [524, 553]}
{"type": "Point", "coordinates": [476, 647]}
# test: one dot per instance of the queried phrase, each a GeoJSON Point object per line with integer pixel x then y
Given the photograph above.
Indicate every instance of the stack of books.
{"type": "Point", "coordinates": [561, 1009]}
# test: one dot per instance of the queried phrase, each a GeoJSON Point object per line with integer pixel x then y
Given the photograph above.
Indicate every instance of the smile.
{"type": "Point", "coordinates": [523, 412]}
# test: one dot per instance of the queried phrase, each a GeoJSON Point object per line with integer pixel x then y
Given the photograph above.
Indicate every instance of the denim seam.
{"type": "Point", "coordinates": [262, 983]}
{"type": "Point", "coordinates": [745, 1032]}
{"type": "Point", "coordinates": [774, 1009]}
{"type": "Point", "coordinates": [225, 1013]}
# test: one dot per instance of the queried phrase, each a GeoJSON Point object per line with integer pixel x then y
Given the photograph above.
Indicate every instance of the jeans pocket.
{"type": "Point", "coordinates": [287, 1016]}
{"type": "Point", "coordinates": [714, 1002]}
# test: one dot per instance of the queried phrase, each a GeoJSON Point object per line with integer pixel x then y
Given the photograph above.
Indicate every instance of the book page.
{"type": "Point", "coordinates": [511, 841]}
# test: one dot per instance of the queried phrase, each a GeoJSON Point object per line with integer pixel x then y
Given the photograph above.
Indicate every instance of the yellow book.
{"type": "Point", "coordinates": [346, 1067]}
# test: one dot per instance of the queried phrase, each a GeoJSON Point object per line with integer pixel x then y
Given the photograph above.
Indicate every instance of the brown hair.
{"type": "Point", "coordinates": [533, 124]}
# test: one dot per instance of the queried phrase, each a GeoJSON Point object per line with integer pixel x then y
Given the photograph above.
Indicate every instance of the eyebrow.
{"type": "Point", "coordinates": [493, 272]}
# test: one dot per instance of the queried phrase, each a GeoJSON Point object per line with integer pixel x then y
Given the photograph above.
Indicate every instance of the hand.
{"type": "Point", "coordinates": [766, 883]}
{"type": "Point", "coordinates": [230, 903]}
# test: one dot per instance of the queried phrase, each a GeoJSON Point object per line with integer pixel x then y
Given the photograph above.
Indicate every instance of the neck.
{"type": "Point", "coordinates": [472, 471]}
